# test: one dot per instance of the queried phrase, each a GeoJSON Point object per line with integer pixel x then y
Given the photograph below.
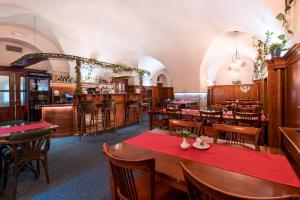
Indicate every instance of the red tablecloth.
{"type": "Point", "coordinates": [26, 127]}
{"type": "Point", "coordinates": [270, 167]}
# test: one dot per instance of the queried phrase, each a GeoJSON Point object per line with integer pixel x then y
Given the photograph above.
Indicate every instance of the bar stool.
{"type": "Point", "coordinates": [144, 106]}
{"type": "Point", "coordinates": [109, 106]}
{"type": "Point", "coordinates": [133, 112]}
{"type": "Point", "coordinates": [88, 125]}
{"type": "Point", "coordinates": [100, 116]}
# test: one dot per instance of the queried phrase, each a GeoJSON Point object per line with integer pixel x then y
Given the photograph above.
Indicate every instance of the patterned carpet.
{"type": "Point", "coordinates": [77, 169]}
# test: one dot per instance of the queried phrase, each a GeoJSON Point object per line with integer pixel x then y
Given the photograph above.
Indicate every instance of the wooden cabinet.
{"type": "Point", "coordinates": [290, 144]}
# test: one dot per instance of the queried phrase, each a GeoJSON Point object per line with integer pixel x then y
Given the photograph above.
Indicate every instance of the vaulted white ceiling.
{"type": "Point", "coordinates": [178, 34]}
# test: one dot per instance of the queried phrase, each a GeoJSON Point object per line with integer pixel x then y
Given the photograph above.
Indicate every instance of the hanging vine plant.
{"type": "Point", "coordinates": [30, 59]}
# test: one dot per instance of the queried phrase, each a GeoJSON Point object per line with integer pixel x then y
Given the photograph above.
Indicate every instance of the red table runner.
{"type": "Point", "coordinates": [4, 130]}
{"type": "Point", "coordinates": [270, 167]}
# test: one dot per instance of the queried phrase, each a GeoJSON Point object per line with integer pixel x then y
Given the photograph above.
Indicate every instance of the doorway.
{"type": "Point", "coordinates": [12, 96]}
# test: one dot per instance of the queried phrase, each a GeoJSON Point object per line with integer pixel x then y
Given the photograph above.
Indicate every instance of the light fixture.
{"type": "Point", "coordinates": [236, 63]}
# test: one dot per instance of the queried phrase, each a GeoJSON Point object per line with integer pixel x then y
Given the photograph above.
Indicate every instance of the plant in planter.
{"type": "Point", "coordinates": [277, 48]}
{"type": "Point", "coordinates": [185, 135]}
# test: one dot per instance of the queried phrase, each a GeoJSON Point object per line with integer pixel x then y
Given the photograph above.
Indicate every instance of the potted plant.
{"type": "Point", "coordinates": [277, 48]}
{"type": "Point", "coordinates": [185, 136]}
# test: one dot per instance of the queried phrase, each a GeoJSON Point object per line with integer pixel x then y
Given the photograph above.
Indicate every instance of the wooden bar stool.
{"type": "Point", "coordinates": [88, 118]}
{"type": "Point", "coordinates": [109, 109]}
{"type": "Point", "coordinates": [133, 112]}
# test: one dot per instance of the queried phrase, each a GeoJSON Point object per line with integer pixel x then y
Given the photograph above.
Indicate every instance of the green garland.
{"type": "Point", "coordinates": [117, 68]}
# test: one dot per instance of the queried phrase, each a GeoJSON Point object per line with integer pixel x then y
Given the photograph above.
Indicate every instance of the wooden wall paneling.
{"type": "Point", "coordinates": [154, 96]}
{"type": "Point", "coordinates": [219, 93]}
{"type": "Point", "coordinates": [275, 99]}
{"type": "Point", "coordinates": [292, 87]}
{"type": "Point", "coordinates": [61, 115]}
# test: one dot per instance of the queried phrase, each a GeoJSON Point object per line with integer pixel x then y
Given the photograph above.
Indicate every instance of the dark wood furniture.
{"type": "Point", "coordinates": [290, 144]}
{"type": "Point", "coordinates": [88, 110]}
{"type": "Point", "coordinates": [180, 125]}
{"type": "Point", "coordinates": [135, 179]}
{"type": "Point", "coordinates": [247, 119]}
{"type": "Point", "coordinates": [168, 169]}
{"type": "Point", "coordinates": [280, 86]}
{"type": "Point", "coordinates": [238, 134]}
{"type": "Point", "coordinates": [21, 150]}
{"type": "Point", "coordinates": [208, 118]}
{"type": "Point", "coordinates": [109, 113]}
{"type": "Point", "coordinates": [61, 115]}
{"type": "Point", "coordinates": [53, 129]}
{"type": "Point", "coordinates": [157, 118]}
{"type": "Point", "coordinates": [199, 189]}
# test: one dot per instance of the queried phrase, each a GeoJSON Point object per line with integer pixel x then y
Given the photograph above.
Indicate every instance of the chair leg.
{"type": "Point", "coordinates": [15, 184]}
{"type": "Point", "coordinates": [115, 120]}
{"type": "Point", "coordinates": [45, 164]}
{"type": "Point", "coordinates": [38, 167]}
{"type": "Point", "coordinates": [5, 174]}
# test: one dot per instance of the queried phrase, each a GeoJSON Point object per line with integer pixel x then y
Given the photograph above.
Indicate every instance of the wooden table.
{"type": "Point", "coordinates": [168, 169]}
{"type": "Point", "coordinates": [6, 135]}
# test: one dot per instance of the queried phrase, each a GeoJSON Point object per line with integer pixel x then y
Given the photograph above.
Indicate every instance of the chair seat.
{"type": "Point", "coordinates": [162, 190]}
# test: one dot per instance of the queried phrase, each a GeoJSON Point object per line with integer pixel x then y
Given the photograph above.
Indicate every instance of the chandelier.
{"type": "Point", "coordinates": [236, 63]}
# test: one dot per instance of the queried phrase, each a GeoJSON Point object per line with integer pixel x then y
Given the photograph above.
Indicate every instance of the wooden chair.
{"type": "Point", "coordinates": [247, 119]}
{"type": "Point", "coordinates": [180, 125]}
{"type": "Point", "coordinates": [238, 134]}
{"type": "Point", "coordinates": [199, 189]}
{"type": "Point", "coordinates": [192, 106]}
{"type": "Point", "coordinates": [173, 113]}
{"type": "Point", "coordinates": [22, 149]}
{"type": "Point", "coordinates": [207, 119]}
{"type": "Point", "coordinates": [247, 109]}
{"type": "Point", "coordinates": [135, 179]}
{"type": "Point", "coordinates": [157, 118]}
{"type": "Point", "coordinates": [109, 109]}
{"type": "Point", "coordinates": [217, 107]}
{"type": "Point", "coordinates": [88, 118]}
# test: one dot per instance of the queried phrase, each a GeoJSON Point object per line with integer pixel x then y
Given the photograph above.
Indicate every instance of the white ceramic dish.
{"type": "Point", "coordinates": [205, 146]}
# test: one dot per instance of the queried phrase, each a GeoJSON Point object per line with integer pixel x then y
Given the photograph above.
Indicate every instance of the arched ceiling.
{"type": "Point", "coordinates": [176, 33]}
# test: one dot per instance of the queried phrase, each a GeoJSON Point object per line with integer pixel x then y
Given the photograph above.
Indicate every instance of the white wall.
{"type": "Point", "coordinates": [246, 72]}
{"type": "Point", "coordinates": [296, 22]}
{"type": "Point", "coordinates": [25, 39]}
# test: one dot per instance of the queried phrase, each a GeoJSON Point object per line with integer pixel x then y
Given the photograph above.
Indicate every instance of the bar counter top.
{"type": "Point", "coordinates": [58, 105]}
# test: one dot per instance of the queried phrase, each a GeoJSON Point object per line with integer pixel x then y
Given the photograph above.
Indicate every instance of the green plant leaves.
{"type": "Point", "coordinates": [280, 17]}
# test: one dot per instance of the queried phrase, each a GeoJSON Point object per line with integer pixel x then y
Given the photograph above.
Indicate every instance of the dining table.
{"type": "Point", "coordinates": [257, 172]}
{"type": "Point", "coordinates": [9, 130]}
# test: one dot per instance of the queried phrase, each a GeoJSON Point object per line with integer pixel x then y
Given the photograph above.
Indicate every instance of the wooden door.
{"type": "Point", "coordinates": [12, 96]}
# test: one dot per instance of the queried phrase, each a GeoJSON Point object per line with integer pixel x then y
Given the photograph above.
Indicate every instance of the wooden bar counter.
{"type": "Point", "coordinates": [61, 115]}
{"type": "Point", "coordinates": [66, 115]}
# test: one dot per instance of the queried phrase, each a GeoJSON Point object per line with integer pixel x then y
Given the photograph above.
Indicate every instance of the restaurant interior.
{"type": "Point", "coordinates": [138, 100]}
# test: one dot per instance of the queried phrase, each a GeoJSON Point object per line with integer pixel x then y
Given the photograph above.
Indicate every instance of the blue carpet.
{"type": "Point", "coordinates": [77, 169]}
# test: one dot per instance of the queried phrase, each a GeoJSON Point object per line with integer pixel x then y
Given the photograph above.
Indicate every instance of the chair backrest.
{"type": "Point", "coordinates": [238, 134]}
{"type": "Point", "coordinates": [193, 106]}
{"type": "Point", "coordinates": [157, 118]}
{"type": "Point", "coordinates": [217, 107]}
{"type": "Point", "coordinates": [123, 179]}
{"type": "Point", "coordinates": [87, 106]}
{"type": "Point", "coordinates": [33, 143]}
{"type": "Point", "coordinates": [210, 117]}
{"type": "Point", "coordinates": [248, 109]}
{"type": "Point", "coordinates": [180, 125]}
{"type": "Point", "coordinates": [173, 113]}
{"type": "Point", "coordinates": [109, 104]}
{"type": "Point", "coordinates": [199, 189]}
{"type": "Point", "coordinates": [247, 119]}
